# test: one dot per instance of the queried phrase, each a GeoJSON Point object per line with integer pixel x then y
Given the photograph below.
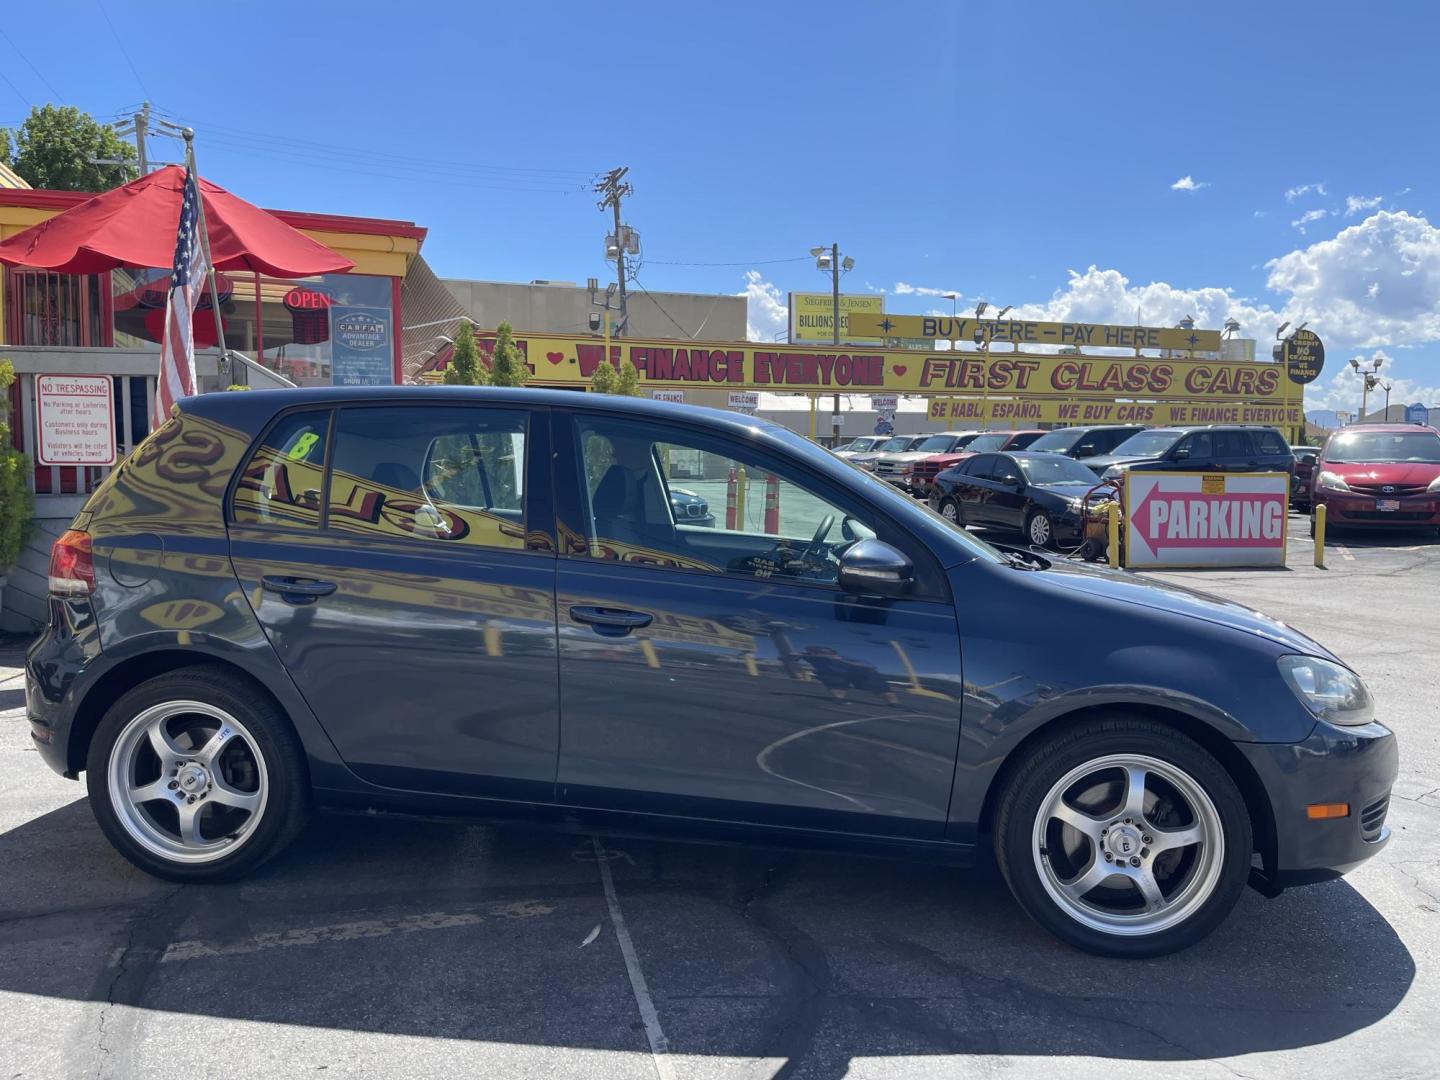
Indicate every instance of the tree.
{"type": "Point", "coordinates": [53, 147]}
{"type": "Point", "coordinates": [465, 368]}
{"type": "Point", "coordinates": [507, 366]}
{"type": "Point", "coordinates": [627, 383]}
{"type": "Point", "coordinates": [604, 379]}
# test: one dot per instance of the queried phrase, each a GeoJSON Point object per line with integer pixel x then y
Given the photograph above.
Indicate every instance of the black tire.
{"type": "Point", "coordinates": [285, 805]}
{"type": "Point", "coordinates": [1051, 760]}
{"type": "Point", "coordinates": [1037, 515]}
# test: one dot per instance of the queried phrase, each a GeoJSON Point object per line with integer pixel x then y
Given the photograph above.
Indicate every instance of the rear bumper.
{"type": "Point", "coordinates": [56, 665]}
{"type": "Point", "coordinates": [1361, 510]}
{"type": "Point", "coordinates": [1356, 766]}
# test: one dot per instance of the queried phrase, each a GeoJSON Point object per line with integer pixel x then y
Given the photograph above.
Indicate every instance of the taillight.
{"type": "Point", "coordinates": [72, 568]}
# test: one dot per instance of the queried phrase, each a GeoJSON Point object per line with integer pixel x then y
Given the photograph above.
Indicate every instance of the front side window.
{"type": "Point", "coordinates": [282, 482]}
{"type": "Point", "coordinates": [702, 503]}
{"type": "Point", "coordinates": [1198, 445]}
{"type": "Point", "coordinates": [446, 475]}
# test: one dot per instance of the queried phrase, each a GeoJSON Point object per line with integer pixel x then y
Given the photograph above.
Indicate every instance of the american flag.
{"type": "Point", "coordinates": [187, 285]}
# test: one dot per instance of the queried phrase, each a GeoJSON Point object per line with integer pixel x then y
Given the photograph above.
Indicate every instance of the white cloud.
{"type": "Point", "coordinates": [1189, 183]}
{"type": "Point", "coordinates": [1355, 204]}
{"type": "Point", "coordinates": [903, 288]}
{"type": "Point", "coordinates": [1106, 296]}
{"type": "Point", "coordinates": [1376, 282]}
{"type": "Point", "coordinates": [1308, 217]}
{"type": "Point", "coordinates": [1304, 189]}
{"type": "Point", "coordinates": [1261, 213]}
{"type": "Point", "coordinates": [1342, 390]}
{"type": "Point", "coordinates": [766, 314]}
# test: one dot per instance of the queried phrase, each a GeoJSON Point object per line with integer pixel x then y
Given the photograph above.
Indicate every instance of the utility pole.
{"type": "Point", "coordinates": [835, 327]}
{"type": "Point", "coordinates": [142, 128]}
{"type": "Point", "coordinates": [613, 187]}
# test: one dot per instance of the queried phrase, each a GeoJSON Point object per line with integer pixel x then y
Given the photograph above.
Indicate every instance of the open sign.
{"type": "Point", "coordinates": [299, 299]}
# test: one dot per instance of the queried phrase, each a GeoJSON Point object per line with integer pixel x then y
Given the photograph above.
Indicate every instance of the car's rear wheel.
{"type": "Point", "coordinates": [1040, 529]}
{"type": "Point", "coordinates": [194, 776]}
{"type": "Point", "coordinates": [1124, 837]}
{"type": "Point", "coordinates": [950, 510]}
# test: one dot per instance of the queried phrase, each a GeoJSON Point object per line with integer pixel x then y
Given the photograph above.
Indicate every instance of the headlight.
{"type": "Point", "coordinates": [1331, 692]}
{"type": "Point", "coordinates": [1331, 481]}
{"type": "Point", "coordinates": [1434, 486]}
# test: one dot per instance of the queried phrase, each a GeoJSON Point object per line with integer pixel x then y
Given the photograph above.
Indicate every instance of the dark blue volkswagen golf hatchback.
{"type": "Point", "coordinates": [486, 602]}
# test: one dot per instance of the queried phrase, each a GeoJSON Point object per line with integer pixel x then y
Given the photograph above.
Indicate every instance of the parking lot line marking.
{"type": "Point", "coordinates": [1345, 552]}
{"type": "Point", "coordinates": [351, 931]}
{"type": "Point", "coordinates": [659, 1045]}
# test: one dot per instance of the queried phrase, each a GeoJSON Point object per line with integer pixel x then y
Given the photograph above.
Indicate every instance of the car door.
{"type": "Point", "coordinates": [1194, 451]}
{"type": "Point", "coordinates": [1234, 450]}
{"type": "Point", "coordinates": [723, 673]}
{"type": "Point", "coordinates": [1008, 503]}
{"type": "Point", "coordinates": [977, 500]}
{"type": "Point", "coordinates": [400, 560]}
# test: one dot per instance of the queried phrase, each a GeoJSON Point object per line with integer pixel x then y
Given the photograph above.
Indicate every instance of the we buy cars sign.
{"type": "Point", "coordinates": [1205, 519]}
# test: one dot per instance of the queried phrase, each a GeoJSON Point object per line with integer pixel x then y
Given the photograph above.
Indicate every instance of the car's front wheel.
{"type": "Point", "coordinates": [1124, 837]}
{"type": "Point", "coordinates": [194, 776]}
{"type": "Point", "coordinates": [1040, 529]}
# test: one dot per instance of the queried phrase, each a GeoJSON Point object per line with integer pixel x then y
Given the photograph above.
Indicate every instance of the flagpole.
{"type": "Point", "coordinates": [189, 134]}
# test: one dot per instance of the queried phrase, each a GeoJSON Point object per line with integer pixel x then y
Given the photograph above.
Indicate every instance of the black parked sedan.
{"type": "Point", "coordinates": [1037, 494]}
{"type": "Point", "coordinates": [690, 508]}
{"type": "Point", "coordinates": [471, 601]}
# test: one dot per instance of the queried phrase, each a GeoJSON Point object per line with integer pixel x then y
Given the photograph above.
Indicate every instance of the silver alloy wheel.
{"type": "Point", "coordinates": [187, 781]}
{"type": "Point", "coordinates": [1118, 866]}
{"type": "Point", "coordinates": [1039, 530]}
{"type": "Point", "coordinates": [949, 511]}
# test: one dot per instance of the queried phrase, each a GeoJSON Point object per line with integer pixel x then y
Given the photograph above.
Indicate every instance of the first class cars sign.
{"type": "Point", "coordinates": [1205, 519]}
{"type": "Point", "coordinates": [74, 420]}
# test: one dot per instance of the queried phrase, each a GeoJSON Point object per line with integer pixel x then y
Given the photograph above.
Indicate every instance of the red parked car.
{"type": "Point", "coordinates": [1379, 475]}
{"type": "Point", "coordinates": [923, 472]}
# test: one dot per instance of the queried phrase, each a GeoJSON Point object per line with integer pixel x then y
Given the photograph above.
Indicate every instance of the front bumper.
{"type": "Point", "coordinates": [1347, 508]}
{"type": "Point", "coordinates": [1356, 766]}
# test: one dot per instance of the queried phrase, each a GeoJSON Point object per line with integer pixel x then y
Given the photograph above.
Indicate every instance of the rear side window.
{"type": "Point", "coordinates": [282, 482]}
{"type": "Point", "coordinates": [1232, 444]}
{"type": "Point", "coordinates": [1270, 442]}
{"type": "Point", "coordinates": [443, 475]}
{"type": "Point", "coordinates": [983, 467]}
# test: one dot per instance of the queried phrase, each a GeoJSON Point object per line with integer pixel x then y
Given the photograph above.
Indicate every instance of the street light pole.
{"type": "Point", "coordinates": [835, 329]}
{"type": "Point", "coordinates": [1369, 380]}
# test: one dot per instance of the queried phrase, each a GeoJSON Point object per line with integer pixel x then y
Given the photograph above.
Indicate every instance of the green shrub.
{"type": "Point", "coordinates": [17, 506]}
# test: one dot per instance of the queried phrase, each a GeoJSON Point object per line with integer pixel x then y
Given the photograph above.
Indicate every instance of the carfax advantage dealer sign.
{"type": "Point", "coordinates": [1205, 519]}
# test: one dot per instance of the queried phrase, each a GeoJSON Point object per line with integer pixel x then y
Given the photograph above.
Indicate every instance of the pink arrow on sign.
{"type": "Point", "coordinates": [1194, 519]}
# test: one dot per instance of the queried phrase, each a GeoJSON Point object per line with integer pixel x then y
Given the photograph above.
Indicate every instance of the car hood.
{"type": "Point", "coordinates": [1177, 599]}
{"type": "Point", "coordinates": [1104, 461]}
{"type": "Point", "coordinates": [1399, 473]}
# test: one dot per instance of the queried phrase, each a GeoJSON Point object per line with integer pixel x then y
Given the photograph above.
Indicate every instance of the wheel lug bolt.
{"type": "Point", "coordinates": [1134, 860]}
{"type": "Point", "coordinates": [1146, 840]}
{"type": "Point", "coordinates": [173, 785]}
{"type": "Point", "coordinates": [1108, 857]}
{"type": "Point", "coordinates": [191, 799]}
{"type": "Point", "coordinates": [1128, 821]}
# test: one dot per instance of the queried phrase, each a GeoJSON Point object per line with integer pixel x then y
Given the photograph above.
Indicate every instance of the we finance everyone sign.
{"type": "Point", "coordinates": [1205, 519]}
{"type": "Point", "coordinates": [569, 361]}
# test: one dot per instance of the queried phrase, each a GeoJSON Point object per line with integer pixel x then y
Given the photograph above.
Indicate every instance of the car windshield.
{"type": "Point", "coordinates": [1384, 446]}
{"type": "Point", "coordinates": [1058, 442]}
{"type": "Point", "coordinates": [1147, 444]}
{"type": "Point", "coordinates": [1049, 471]}
{"type": "Point", "coordinates": [937, 443]}
{"type": "Point", "coordinates": [984, 443]}
{"type": "Point", "coordinates": [899, 442]}
{"type": "Point", "coordinates": [859, 444]}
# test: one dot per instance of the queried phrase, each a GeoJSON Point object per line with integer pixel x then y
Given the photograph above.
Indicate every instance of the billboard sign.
{"type": "Point", "coordinates": [983, 412]}
{"type": "Point", "coordinates": [812, 316]}
{"type": "Point", "coordinates": [1303, 355]}
{"type": "Point", "coordinates": [1205, 519]}
{"type": "Point", "coordinates": [1022, 332]}
{"type": "Point", "coordinates": [74, 420]}
{"type": "Point", "coordinates": [1417, 413]}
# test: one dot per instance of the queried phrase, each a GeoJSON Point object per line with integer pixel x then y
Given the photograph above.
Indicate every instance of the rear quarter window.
{"type": "Point", "coordinates": [283, 481]}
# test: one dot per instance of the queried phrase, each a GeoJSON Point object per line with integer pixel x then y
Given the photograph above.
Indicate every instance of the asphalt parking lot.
{"type": "Point", "coordinates": [392, 948]}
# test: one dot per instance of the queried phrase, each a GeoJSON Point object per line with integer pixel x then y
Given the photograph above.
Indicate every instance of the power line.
{"type": "Point", "coordinates": [121, 45]}
{"type": "Point", "coordinates": [636, 278]}
{"type": "Point", "coordinates": [32, 67]}
{"type": "Point", "coordinates": [18, 94]}
{"type": "Point", "coordinates": [747, 262]}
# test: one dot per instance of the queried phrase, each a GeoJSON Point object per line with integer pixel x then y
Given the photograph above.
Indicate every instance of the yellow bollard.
{"type": "Point", "coordinates": [1319, 531]}
{"type": "Point", "coordinates": [1112, 533]}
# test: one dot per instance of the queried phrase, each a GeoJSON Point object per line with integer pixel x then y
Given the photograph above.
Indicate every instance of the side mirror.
{"type": "Point", "coordinates": [1181, 453]}
{"type": "Point", "coordinates": [874, 567]}
{"type": "Point", "coordinates": [1015, 483]}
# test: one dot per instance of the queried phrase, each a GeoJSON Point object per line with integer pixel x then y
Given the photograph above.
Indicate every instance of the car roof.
{"type": "Point", "coordinates": [1390, 428]}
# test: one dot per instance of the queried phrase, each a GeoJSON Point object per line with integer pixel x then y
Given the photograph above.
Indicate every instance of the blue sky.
{"type": "Point", "coordinates": [1000, 150]}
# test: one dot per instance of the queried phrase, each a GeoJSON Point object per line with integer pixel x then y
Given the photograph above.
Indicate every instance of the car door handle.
{"type": "Point", "coordinates": [298, 590]}
{"type": "Point", "coordinates": [612, 622]}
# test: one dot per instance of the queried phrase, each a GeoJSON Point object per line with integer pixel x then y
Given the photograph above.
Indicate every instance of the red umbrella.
{"type": "Point", "coordinates": [135, 225]}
